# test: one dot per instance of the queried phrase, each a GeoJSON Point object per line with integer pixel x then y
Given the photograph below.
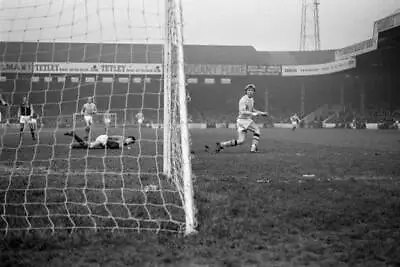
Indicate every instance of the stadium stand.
{"type": "Point", "coordinates": [218, 75]}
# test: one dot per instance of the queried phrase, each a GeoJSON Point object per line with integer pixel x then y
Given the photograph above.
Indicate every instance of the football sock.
{"type": "Point", "coordinates": [256, 139]}
{"type": "Point", "coordinates": [33, 133]}
{"type": "Point", "coordinates": [87, 130]}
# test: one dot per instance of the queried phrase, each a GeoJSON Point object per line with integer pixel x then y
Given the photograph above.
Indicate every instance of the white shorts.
{"type": "Point", "coordinates": [294, 124]}
{"type": "Point", "coordinates": [24, 119]}
{"type": "Point", "coordinates": [88, 119]}
{"type": "Point", "coordinates": [246, 125]}
{"type": "Point", "coordinates": [140, 121]}
{"type": "Point", "coordinates": [107, 121]}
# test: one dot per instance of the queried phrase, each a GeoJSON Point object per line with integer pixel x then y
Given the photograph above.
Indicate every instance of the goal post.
{"type": "Point", "coordinates": [175, 111]}
{"type": "Point", "coordinates": [167, 87]}
{"type": "Point", "coordinates": [129, 56]}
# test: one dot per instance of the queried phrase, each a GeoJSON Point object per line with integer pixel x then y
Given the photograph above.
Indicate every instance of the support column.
{"type": "Point", "coordinates": [342, 102]}
{"type": "Point", "coordinates": [362, 96]}
{"type": "Point", "coordinates": [266, 99]}
{"type": "Point", "coordinates": [302, 98]}
{"type": "Point", "coordinates": [390, 98]}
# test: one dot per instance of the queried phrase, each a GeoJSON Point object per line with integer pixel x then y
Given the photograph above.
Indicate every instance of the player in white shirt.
{"type": "Point", "coordinates": [140, 118]}
{"type": "Point", "coordinates": [295, 121]}
{"type": "Point", "coordinates": [25, 115]}
{"type": "Point", "coordinates": [245, 121]}
{"type": "Point", "coordinates": [102, 141]}
{"type": "Point", "coordinates": [88, 110]}
{"type": "Point", "coordinates": [107, 119]}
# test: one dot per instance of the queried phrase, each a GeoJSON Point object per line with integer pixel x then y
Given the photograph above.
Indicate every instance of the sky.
{"type": "Point", "coordinates": [268, 25]}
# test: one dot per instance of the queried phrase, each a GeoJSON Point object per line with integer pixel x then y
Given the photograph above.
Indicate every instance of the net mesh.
{"type": "Point", "coordinates": [58, 53]}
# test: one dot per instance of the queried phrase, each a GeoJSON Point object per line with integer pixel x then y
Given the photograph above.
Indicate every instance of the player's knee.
{"type": "Point", "coordinates": [87, 129]}
{"type": "Point", "coordinates": [241, 139]}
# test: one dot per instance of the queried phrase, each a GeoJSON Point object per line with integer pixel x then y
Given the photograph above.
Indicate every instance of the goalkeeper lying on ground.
{"type": "Point", "coordinates": [102, 141]}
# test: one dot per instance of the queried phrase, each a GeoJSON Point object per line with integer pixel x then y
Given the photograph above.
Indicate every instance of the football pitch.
{"type": "Point", "coordinates": [314, 197]}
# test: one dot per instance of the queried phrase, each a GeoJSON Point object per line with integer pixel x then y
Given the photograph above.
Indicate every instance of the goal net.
{"type": "Point", "coordinates": [126, 54]}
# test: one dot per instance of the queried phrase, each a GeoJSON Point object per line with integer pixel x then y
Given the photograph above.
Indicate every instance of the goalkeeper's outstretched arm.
{"type": "Point", "coordinates": [79, 142]}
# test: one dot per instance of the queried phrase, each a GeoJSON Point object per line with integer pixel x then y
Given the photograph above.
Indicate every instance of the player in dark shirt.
{"type": "Point", "coordinates": [25, 115]}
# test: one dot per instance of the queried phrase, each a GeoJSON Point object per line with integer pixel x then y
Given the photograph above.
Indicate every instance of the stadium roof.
{"type": "Point", "coordinates": [396, 11]}
{"type": "Point", "coordinates": [297, 57]}
{"type": "Point", "coordinates": [152, 53]}
{"type": "Point", "coordinates": [212, 54]}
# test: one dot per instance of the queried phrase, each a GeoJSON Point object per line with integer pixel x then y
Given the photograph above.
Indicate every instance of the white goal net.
{"type": "Point", "coordinates": [128, 55]}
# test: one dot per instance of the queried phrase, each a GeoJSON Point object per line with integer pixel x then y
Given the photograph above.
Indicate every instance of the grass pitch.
{"type": "Point", "coordinates": [309, 198]}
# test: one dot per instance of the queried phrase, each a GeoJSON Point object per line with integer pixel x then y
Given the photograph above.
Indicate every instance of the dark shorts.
{"type": "Point", "coordinates": [79, 146]}
{"type": "Point", "coordinates": [112, 144]}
